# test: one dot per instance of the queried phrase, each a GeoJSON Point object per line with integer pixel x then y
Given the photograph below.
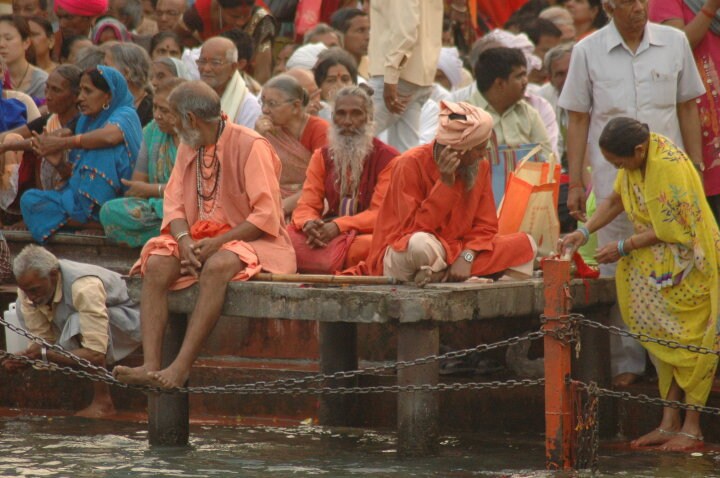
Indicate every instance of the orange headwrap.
{"type": "Point", "coordinates": [463, 134]}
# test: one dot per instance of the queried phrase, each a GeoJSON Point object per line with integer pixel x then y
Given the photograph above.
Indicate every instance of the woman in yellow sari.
{"type": "Point", "coordinates": [667, 275]}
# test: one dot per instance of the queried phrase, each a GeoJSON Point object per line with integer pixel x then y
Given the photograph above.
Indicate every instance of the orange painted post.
{"type": "Point", "coordinates": [558, 399]}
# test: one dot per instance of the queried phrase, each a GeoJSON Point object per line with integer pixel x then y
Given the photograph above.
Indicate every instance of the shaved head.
{"type": "Point", "coordinates": [220, 46]}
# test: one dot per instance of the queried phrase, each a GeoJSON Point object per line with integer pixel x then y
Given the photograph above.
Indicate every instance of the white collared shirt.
{"type": "Point", "coordinates": [607, 80]}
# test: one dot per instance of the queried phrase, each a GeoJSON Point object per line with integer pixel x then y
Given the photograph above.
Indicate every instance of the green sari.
{"type": "Point", "coordinates": [133, 221]}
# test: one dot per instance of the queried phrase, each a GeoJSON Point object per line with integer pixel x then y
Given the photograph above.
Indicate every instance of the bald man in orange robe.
{"type": "Point", "coordinates": [223, 222]}
{"type": "Point", "coordinates": [438, 219]}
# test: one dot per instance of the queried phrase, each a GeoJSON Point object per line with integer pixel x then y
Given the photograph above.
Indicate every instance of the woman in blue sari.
{"type": "Point", "coordinates": [103, 151]}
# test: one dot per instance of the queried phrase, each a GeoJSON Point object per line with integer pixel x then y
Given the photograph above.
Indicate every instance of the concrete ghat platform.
{"type": "Point", "coordinates": [417, 315]}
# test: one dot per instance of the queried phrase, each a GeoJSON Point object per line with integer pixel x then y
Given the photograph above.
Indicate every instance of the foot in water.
{"type": "Point", "coordinates": [659, 436]}
{"type": "Point", "coordinates": [171, 377]}
{"type": "Point", "coordinates": [683, 441]}
{"type": "Point", "coordinates": [97, 410]}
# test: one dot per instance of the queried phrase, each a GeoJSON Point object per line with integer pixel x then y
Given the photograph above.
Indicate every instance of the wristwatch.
{"type": "Point", "coordinates": [468, 256]}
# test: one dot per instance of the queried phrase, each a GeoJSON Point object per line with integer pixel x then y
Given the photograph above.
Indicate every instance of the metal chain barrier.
{"type": "Point", "coordinates": [286, 386]}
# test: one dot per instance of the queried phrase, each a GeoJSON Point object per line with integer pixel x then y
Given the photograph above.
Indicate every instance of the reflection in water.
{"type": "Point", "coordinates": [73, 447]}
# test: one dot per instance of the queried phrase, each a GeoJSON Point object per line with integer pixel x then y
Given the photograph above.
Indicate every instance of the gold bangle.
{"type": "Point", "coordinates": [76, 140]}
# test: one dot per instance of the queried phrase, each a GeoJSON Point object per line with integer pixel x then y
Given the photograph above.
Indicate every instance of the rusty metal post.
{"type": "Point", "coordinates": [169, 414]}
{"type": "Point", "coordinates": [558, 398]}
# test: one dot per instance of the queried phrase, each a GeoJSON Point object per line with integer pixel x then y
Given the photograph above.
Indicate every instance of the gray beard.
{"type": "Point", "coordinates": [468, 174]}
{"type": "Point", "coordinates": [189, 136]}
{"type": "Point", "coordinates": [348, 154]}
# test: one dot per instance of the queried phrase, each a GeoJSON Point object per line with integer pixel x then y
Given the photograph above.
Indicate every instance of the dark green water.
{"type": "Point", "coordinates": [73, 447]}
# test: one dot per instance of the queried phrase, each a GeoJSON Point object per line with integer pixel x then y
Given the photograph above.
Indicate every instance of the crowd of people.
{"type": "Point", "coordinates": [229, 137]}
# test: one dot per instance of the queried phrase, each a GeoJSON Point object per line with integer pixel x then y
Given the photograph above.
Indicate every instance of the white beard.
{"type": "Point", "coordinates": [189, 136]}
{"type": "Point", "coordinates": [348, 154]}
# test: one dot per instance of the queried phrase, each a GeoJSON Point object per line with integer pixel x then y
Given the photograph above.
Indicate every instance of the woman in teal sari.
{"type": "Point", "coordinates": [137, 217]}
{"type": "Point", "coordinates": [103, 153]}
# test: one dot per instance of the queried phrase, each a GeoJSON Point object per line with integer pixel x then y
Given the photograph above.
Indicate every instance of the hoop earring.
{"type": "Point", "coordinates": [106, 106]}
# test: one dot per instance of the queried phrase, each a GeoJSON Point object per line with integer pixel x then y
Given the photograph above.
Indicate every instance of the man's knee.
{"type": "Point", "coordinates": [161, 269]}
{"type": "Point", "coordinates": [221, 267]}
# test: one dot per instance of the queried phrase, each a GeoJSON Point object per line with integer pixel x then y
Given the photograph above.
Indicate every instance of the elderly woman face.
{"type": "Point", "coordinates": [337, 77]}
{"type": "Point", "coordinates": [279, 106]}
{"type": "Point", "coordinates": [163, 114]}
{"type": "Point", "coordinates": [59, 94]}
{"type": "Point", "coordinates": [160, 72]}
{"type": "Point", "coordinates": [92, 100]}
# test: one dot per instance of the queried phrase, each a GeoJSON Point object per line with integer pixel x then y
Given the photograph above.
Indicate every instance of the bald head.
{"type": "Point", "coordinates": [220, 46]}
{"type": "Point", "coordinates": [305, 78]}
{"type": "Point", "coordinates": [198, 98]}
{"type": "Point", "coordinates": [307, 81]}
{"type": "Point", "coordinates": [217, 63]}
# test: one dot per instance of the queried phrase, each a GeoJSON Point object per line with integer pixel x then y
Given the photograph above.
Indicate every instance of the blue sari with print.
{"type": "Point", "coordinates": [96, 173]}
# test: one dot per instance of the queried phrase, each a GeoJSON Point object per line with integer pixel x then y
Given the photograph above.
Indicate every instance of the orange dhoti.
{"type": "Point", "coordinates": [166, 245]}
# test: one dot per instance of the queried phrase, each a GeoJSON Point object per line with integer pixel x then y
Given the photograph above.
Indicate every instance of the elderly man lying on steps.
{"type": "Point", "coordinates": [81, 307]}
{"type": "Point", "coordinates": [438, 220]}
{"type": "Point", "coordinates": [222, 221]}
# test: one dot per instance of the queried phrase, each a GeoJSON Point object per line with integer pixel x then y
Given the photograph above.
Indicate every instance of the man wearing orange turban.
{"type": "Point", "coordinates": [76, 18]}
{"type": "Point", "coordinates": [438, 219]}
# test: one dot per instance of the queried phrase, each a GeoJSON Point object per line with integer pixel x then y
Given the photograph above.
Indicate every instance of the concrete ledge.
{"type": "Point", "coordinates": [384, 304]}
{"type": "Point", "coordinates": [95, 250]}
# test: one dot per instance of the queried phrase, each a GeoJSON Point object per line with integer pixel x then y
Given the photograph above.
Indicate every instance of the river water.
{"type": "Point", "coordinates": [75, 448]}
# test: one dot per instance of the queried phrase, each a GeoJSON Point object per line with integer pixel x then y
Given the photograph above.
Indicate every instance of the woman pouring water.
{"type": "Point", "coordinates": [667, 274]}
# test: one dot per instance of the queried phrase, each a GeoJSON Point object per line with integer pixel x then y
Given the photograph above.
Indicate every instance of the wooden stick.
{"type": "Point", "coordinates": [325, 279]}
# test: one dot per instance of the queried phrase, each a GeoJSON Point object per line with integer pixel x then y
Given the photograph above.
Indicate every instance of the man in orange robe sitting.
{"type": "Point", "coordinates": [351, 175]}
{"type": "Point", "coordinates": [222, 221]}
{"type": "Point", "coordinates": [438, 220]}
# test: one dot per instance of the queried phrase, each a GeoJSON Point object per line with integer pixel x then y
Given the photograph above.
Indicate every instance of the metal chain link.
{"type": "Point", "coordinates": [57, 349]}
{"type": "Point", "coordinates": [103, 375]}
{"type": "Point", "coordinates": [579, 318]}
{"type": "Point", "coordinates": [642, 398]}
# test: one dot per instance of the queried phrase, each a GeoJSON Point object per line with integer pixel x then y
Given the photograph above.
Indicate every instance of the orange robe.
{"type": "Point", "coordinates": [312, 202]}
{"type": "Point", "coordinates": [418, 201]}
{"type": "Point", "coordinates": [249, 191]}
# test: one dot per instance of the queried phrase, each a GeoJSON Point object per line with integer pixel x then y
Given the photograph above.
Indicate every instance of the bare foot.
{"type": "Point", "coordinates": [659, 436]}
{"type": "Point", "coordinates": [625, 379]}
{"type": "Point", "coordinates": [684, 442]}
{"type": "Point", "coordinates": [171, 377]}
{"type": "Point", "coordinates": [134, 375]}
{"type": "Point", "coordinates": [426, 275]}
{"type": "Point", "coordinates": [18, 226]}
{"type": "Point", "coordinates": [97, 410]}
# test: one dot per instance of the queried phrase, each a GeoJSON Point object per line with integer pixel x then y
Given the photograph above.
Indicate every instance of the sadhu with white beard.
{"type": "Point", "coordinates": [351, 176]}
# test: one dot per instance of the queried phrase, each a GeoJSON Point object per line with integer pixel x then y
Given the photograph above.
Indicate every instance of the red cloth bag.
{"type": "Point", "coordinates": [320, 260]}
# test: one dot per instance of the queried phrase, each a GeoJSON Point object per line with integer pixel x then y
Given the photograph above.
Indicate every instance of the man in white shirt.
{"type": "Point", "coordinates": [218, 67]}
{"type": "Point", "coordinates": [644, 71]}
{"type": "Point", "coordinates": [405, 42]}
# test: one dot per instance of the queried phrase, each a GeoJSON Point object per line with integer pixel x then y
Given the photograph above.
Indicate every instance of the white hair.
{"type": "Point", "coordinates": [609, 2]}
{"type": "Point", "coordinates": [35, 258]}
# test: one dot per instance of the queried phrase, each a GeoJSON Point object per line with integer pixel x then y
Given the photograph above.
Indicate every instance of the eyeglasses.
{"type": "Point", "coordinates": [272, 104]}
{"type": "Point", "coordinates": [200, 62]}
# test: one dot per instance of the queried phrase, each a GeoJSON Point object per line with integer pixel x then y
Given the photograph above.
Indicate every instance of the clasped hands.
{"type": "Point", "coordinates": [49, 143]}
{"type": "Point", "coordinates": [193, 254]}
{"type": "Point", "coordinates": [319, 233]}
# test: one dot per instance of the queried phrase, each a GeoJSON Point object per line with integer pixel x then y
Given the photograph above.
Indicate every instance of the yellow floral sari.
{"type": "Point", "coordinates": [670, 290]}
